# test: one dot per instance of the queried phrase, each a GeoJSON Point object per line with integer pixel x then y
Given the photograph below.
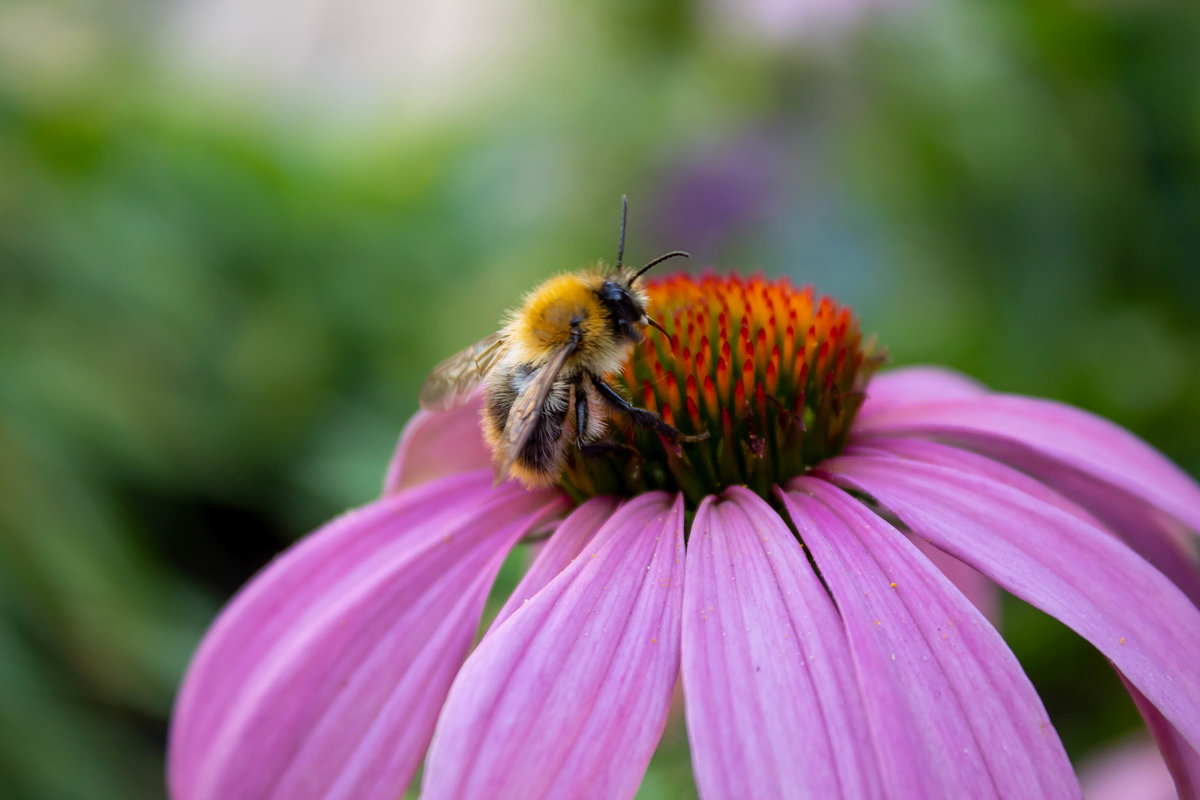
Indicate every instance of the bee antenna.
{"type": "Point", "coordinates": [659, 260]}
{"type": "Point", "coordinates": [621, 240]}
{"type": "Point", "coordinates": [652, 322]}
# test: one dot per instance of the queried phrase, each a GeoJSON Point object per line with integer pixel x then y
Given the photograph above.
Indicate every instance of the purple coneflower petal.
{"type": "Point", "coordinates": [976, 586]}
{"type": "Point", "coordinates": [772, 710]}
{"type": "Point", "coordinates": [953, 714]}
{"type": "Point", "coordinates": [324, 676]}
{"type": "Point", "coordinates": [981, 590]}
{"type": "Point", "coordinates": [1182, 759]}
{"type": "Point", "coordinates": [945, 455]}
{"type": "Point", "coordinates": [439, 443]}
{"type": "Point", "coordinates": [572, 536]}
{"type": "Point", "coordinates": [895, 390]}
{"type": "Point", "coordinates": [1007, 426]}
{"type": "Point", "coordinates": [569, 696]}
{"type": "Point", "coordinates": [1150, 532]}
{"type": "Point", "coordinates": [1155, 535]}
{"type": "Point", "coordinates": [1056, 561]}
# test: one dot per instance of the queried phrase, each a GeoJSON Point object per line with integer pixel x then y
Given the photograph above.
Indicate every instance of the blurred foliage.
{"type": "Point", "coordinates": [215, 311]}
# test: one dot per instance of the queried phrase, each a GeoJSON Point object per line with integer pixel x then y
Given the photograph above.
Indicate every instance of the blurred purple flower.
{"type": "Point", "coordinates": [846, 666]}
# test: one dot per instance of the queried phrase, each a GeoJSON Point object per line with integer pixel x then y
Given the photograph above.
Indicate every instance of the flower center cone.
{"type": "Point", "coordinates": [771, 373]}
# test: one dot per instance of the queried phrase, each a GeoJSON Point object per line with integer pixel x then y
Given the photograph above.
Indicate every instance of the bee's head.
{"type": "Point", "coordinates": [626, 307]}
{"type": "Point", "coordinates": [624, 301]}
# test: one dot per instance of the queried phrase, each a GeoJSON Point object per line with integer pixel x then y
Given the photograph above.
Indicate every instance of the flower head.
{"type": "Point", "coordinates": [773, 375]}
{"type": "Point", "coordinates": [808, 572]}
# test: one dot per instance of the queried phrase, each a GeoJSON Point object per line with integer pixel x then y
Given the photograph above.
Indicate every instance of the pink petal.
{"type": "Point", "coordinates": [1111, 505]}
{"type": "Point", "coordinates": [967, 461]}
{"type": "Point", "coordinates": [1056, 561]}
{"type": "Point", "coordinates": [438, 443]}
{"type": "Point", "coordinates": [569, 696]}
{"type": "Point", "coordinates": [981, 590]}
{"type": "Point", "coordinates": [323, 677]}
{"type": "Point", "coordinates": [898, 388]}
{"type": "Point", "coordinates": [772, 710]}
{"type": "Point", "coordinates": [952, 713]}
{"type": "Point", "coordinates": [1151, 533]}
{"type": "Point", "coordinates": [572, 536]}
{"type": "Point", "coordinates": [1004, 425]}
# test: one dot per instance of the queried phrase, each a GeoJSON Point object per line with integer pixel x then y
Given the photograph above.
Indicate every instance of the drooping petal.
{"type": "Point", "coordinates": [952, 713]}
{"type": "Point", "coordinates": [572, 536]}
{"type": "Point", "coordinates": [983, 593]}
{"type": "Point", "coordinates": [568, 697]}
{"type": "Point", "coordinates": [1110, 506]}
{"type": "Point", "coordinates": [323, 677]}
{"type": "Point", "coordinates": [967, 461]}
{"type": "Point", "coordinates": [1056, 561]}
{"type": "Point", "coordinates": [1151, 533]}
{"type": "Point", "coordinates": [1009, 426]}
{"type": "Point", "coordinates": [772, 710]}
{"type": "Point", "coordinates": [977, 587]}
{"type": "Point", "coordinates": [438, 443]}
{"type": "Point", "coordinates": [909, 386]}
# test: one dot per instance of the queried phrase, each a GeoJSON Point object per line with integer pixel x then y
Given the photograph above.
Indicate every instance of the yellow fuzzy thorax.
{"type": "Point", "coordinates": [544, 323]}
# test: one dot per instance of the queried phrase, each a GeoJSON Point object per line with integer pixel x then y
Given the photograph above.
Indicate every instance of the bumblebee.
{"type": "Point", "coordinates": [544, 371]}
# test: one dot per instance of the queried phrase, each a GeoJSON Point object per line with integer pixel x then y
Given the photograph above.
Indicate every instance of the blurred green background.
{"type": "Point", "coordinates": [234, 237]}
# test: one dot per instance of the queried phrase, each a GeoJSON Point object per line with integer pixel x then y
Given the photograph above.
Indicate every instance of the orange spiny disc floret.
{"type": "Point", "coordinates": [773, 374]}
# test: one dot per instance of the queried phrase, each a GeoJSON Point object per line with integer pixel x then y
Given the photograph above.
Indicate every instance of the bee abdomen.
{"type": "Point", "coordinates": [501, 393]}
{"type": "Point", "coordinates": [540, 460]}
{"type": "Point", "coordinates": [541, 457]}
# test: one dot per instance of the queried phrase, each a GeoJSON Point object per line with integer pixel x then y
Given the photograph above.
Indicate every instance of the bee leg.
{"type": "Point", "coordinates": [601, 449]}
{"type": "Point", "coordinates": [581, 415]}
{"type": "Point", "coordinates": [641, 416]}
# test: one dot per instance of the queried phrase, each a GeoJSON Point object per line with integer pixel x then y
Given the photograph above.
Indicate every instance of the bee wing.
{"type": "Point", "coordinates": [451, 381]}
{"type": "Point", "coordinates": [527, 407]}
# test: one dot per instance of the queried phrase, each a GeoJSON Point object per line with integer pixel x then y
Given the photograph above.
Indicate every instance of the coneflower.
{"type": "Point", "coordinates": [783, 569]}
